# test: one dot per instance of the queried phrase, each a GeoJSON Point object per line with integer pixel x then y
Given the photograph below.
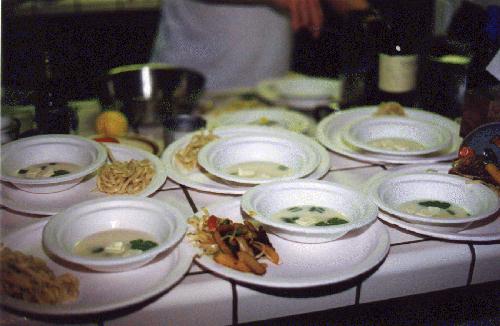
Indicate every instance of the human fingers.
{"type": "Point", "coordinates": [315, 16]}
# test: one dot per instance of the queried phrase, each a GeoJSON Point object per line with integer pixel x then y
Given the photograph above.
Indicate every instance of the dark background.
{"type": "Point", "coordinates": [83, 46]}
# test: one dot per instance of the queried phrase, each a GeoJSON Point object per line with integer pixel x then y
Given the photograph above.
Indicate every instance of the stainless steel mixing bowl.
{"type": "Point", "coordinates": [148, 94]}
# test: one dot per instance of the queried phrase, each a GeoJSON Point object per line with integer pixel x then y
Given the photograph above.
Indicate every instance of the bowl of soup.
{"type": "Point", "coordinates": [50, 163]}
{"type": "Point", "coordinates": [114, 234]}
{"type": "Point", "coordinates": [258, 159]}
{"type": "Point", "coordinates": [436, 201]}
{"type": "Point", "coordinates": [397, 136]}
{"type": "Point", "coordinates": [308, 211]}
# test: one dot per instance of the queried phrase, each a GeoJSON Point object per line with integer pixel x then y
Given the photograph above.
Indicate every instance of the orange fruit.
{"type": "Point", "coordinates": [111, 124]}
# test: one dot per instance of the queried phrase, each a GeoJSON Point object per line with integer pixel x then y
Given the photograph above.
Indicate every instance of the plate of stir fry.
{"type": "Point", "coordinates": [238, 248]}
{"type": "Point", "coordinates": [241, 246]}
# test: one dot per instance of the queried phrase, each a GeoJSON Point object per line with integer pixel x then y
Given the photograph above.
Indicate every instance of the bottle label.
{"type": "Point", "coordinates": [397, 74]}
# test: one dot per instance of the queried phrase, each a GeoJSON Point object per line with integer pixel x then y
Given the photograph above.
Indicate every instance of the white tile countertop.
{"type": "Point", "coordinates": [415, 265]}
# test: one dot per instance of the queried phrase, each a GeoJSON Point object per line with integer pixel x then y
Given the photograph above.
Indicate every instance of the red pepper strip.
{"type": "Point", "coordinates": [212, 223]}
{"type": "Point", "coordinates": [106, 140]}
{"type": "Point", "coordinates": [466, 152]}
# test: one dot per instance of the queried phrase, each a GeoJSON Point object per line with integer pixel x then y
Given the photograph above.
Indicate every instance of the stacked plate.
{"type": "Point", "coordinates": [303, 93]}
{"type": "Point", "coordinates": [425, 199]}
{"type": "Point", "coordinates": [396, 136]}
{"type": "Point", "coordinates": [418, 137]}
{"type": "Point", "coordinates": [244, 156]}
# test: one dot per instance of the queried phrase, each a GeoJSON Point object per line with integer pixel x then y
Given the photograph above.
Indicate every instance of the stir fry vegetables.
{"type": "Point", "coordinates": [239, 246]}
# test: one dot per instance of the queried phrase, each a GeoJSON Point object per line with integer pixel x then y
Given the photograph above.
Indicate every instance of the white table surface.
{"type": "Point", "coordinates": [415, 265]}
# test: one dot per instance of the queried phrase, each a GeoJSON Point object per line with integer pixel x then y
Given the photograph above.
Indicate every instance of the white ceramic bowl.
{"type": "Point", "coordinates": [478, 200]}
{"type": "Point", "coordinates": [307, 88]}
{"type": "Point", "coordinates": [433, 138]}
{"type": "Point", "coordinates": [86, 153]}
{"type": "Point", "coordinates": [262, 201]}
{"type": "Point", "coordinates": [217, 156]}
{"type": "Point", "coordinates": [164, 222]}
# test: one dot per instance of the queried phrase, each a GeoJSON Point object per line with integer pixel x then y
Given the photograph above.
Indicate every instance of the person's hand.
{"type": "Point", "coordinates": [344, 6]}
{"type": "Point", "coordinates": [303, 14]}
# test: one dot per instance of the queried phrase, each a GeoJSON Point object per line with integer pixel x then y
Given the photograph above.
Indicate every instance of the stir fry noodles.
{"type": "Point", "coordinates": [240, 246]}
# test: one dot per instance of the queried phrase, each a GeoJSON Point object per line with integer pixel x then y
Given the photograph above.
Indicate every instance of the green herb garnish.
{"type": "Point", "coordinates": [59, 172]}
{"type": "Point", "coordinates": [331, 221]}
{"type": "Point", "coordinates": [97, 250]}
{"type": "Point", "coordinates": [295, 209]}
{"type": "Point", "coordinates": [317, 209]}
{"type": "Point", "coordinates": [143, 245]}
{"type": "Point", "coordinates": [22, 171]}
{"type": "Point", "coordinates": [450, 212]}
{"type": "Point", "coordinates": [282, 167]}
{"type": "Point", "coordinates": [290, 219]}
{"type": "Point", "coordinates": [435, 203]}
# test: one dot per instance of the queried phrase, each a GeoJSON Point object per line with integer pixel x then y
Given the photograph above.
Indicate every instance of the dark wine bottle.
{"type": "Point", "coordinates": [52, 113]}
{"type": "Point", "coordinates": [397, 65]}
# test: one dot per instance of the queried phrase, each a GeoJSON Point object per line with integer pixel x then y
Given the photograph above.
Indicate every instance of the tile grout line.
{"type": "Point", "coordinates": [354, 168]}
{"type": "Point", "coordinates": [197, 273]}
{"type": "Point", "coordinates": [169, 189]}
{"type": "Point", "coordinates": [189, 199]}
{"type": "Point", "coordinates": [472, 264]}
{"type": "Point", "coordinates": [234, 292]}
{"type": "Point", "coordinates": [408, 242]}
{"type": "Point", "coordinates": [358, 294]}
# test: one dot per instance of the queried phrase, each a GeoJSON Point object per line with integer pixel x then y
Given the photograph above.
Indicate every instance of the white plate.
{"type": "Point", "coordinates": [329, 133]}
{"type": "Point", "coordinates": [291, 120]}
{"type": "Point", "coordinates": [308, 265]}
{"type": "Point", "coordinates": [49, 204]}
{"type": "Point", "coordinates": [100, 292]}
{"type": "Point", "coordinates": [481, 231]}
{"type": "Point", "coordinates": [201, 181]}
{"type": "Point", "coordinates": [267, 90]}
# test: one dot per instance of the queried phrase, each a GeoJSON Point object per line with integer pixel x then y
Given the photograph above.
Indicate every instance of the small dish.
{"type": "Point", "coordinates": [258, 159]}
{"type": "Point", "coordinates": [265, 201]}
{"type": "Point", "coordinates": [397, 136]}
{"type": "Point", "coordinates": [411, 196]}
{"type": "Point", "coordinates": [284, 92]}
{"type": "Point", "coordinates": [82, 153]}
{"type": "Point", "coordinates": [163, 222]}
{"type": "Point", "coordinates": [306, 88]}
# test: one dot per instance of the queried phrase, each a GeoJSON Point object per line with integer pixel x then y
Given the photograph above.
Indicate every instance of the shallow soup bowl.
{"type": "Point", "coordinates": [85, 154]}
{"type": "Point", "coordinates": [291, 158]}
{"type": "Point", "coordinates": [431, 195]}
{"type": "Point", "coordinates": [397, 136]}
{"type": "Point", "coordinates": [352, 208]}
{"type": "Point", "coordinates": [162, 222]}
